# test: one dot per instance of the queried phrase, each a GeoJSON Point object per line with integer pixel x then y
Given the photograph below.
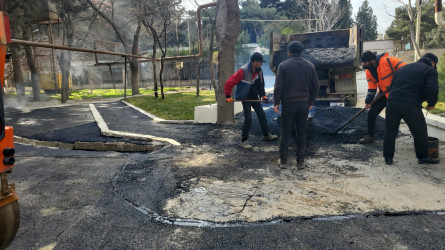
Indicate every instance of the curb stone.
{"type": "Point", "coordinates": [105, 131]}
{"type": "Point", "coordinates": [95, 146]}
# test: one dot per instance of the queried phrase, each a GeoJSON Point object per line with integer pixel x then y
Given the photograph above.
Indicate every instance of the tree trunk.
{"type": "Point", "coordinates": [160, 76]}
{"type": "Point", "coordinates": [65, 60]}
{"type": "Point", "coordinates": [412, 32]}
{"type": "Point", "coordinates": [412, 29]}
{"type": "Point", "coordinates": [198, 73]}
{"type": "Point", "coordinates": [30, 59]}
{"type": "Point", "coordinates": [18, 75]}
{"type": "Point", "coordinates": [65, 66]}
{"type": "Point", "coordinates": [134, 65]}
{"type": "Point", "coordinates": [211, 50]}
{"type": "Point", "coordinates": [155, 78]}
{"type": "Point", "coordinates": [111, 74]}
{"type": "Point", "coordinates": [228, 29]}
{"type": "Point", "coordinates": [17, 67]}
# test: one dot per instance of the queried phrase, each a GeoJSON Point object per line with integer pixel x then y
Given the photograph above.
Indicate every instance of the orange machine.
{"type": "Point", "coordinates": [9, 206]}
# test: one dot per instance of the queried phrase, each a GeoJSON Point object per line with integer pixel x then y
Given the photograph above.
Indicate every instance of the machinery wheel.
{"type": "Point", "coordinates": [10, 221]}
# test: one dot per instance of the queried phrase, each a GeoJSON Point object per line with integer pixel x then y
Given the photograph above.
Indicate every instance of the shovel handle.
{"type": "Point", "coordinates": [251, 101]}
{"type": "Point", "coordinates": [361, 111]}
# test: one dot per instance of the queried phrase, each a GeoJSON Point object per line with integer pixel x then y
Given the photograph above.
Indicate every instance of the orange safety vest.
{"type": "Point", "coordinates": [384, 72]}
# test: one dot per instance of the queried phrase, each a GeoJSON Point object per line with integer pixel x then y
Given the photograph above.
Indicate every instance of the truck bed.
{"type": "Point", "coordinates": [322, 57]}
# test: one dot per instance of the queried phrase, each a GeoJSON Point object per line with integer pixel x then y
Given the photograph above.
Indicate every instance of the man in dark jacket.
{"type": "Point", "coordinates": [296, 87]}
{"type": "Point", "coordinates": [251, 74]}
{"type": "Point", "coordinates": [411, 86]}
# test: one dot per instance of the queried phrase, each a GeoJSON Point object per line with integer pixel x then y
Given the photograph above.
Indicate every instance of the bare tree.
{"type": "Point", "coordinates": [319, 15]}
{"type": "Point", "coordinates": [17, 66]}
{"type": "Point", "coordinates": [29, 51]}
{"type": "Point", "coordinates": [211, 50]}
{"type": "Point", "coordinates": [15, 9]}
{"type": "Point", "coordinates": [68, 11]}
{"type": "Point", "coordinates": [121, 33]}
{"type": "Point", "coordinates": [227, 32]}
{"type": "Point", "coordinates": [412, 14]}
{"type": "Point", "coordinates": [158, 18]}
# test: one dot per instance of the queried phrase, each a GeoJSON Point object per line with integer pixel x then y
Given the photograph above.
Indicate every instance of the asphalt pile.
{"type": "Point", "coordinates": [321, 57]}
{"type": "Point", "coordinates": [329, 56]}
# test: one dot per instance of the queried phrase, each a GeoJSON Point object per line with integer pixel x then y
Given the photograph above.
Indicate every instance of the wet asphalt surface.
{"type": "Point", "coordinates": [68, 200]}
{"type": "Point", "coordinates": [72, 199]}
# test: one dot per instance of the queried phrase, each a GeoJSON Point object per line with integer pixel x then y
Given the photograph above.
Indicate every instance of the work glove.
{"type": "Point", "coordinates": [229, 100]}
{"type": "Point", "coordinates": [265, 99]}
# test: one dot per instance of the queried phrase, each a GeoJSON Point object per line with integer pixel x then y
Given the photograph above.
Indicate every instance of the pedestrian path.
{"type": "Point", "coordinates": [111, 125]}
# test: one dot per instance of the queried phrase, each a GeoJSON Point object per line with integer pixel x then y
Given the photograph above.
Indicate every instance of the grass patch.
{"type": "Point", "coordinates": [83, 94]}
{"type": "Point", "coordinates": [440, 105]}
{"type": "Point", "coordinates": [175, 106]}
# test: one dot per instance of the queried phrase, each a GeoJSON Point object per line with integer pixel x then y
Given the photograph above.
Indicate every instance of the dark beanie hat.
{"type": "Point", "coordinates": [368, 56]}
{"type": "Point", "coordinates": [257, 57]}
{"type": "Point", "coordinates": [431, 57]}
{"type": "Point", "coordinates": [295, 47]}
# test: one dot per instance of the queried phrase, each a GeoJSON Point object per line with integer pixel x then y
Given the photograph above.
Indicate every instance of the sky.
{"type": "Point", "coordinates": [378, 6]}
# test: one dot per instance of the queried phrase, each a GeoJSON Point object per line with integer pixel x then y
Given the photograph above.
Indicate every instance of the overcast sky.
{"type": "Point", "coordinates": [378, 7]}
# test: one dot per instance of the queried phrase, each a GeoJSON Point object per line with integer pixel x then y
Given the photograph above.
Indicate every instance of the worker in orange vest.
{"type": "Point", "coordinates": [379, 72]}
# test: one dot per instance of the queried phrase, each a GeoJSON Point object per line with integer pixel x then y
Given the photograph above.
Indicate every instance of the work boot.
{"type": "Point", "coordinates": [429, 160]}
{"type": "Point", "coordinates": [270, 137]}
{"type": "Point", "coordinates": [300, 164]}
{"type": "Point", "coordinates": [245, 145]}
{"type": "Point", "coordinates": [282, 163]}
{"type": "Point", "coordinates": [388, 161]}
{"type": "Point", "coordinates": [367, 139]}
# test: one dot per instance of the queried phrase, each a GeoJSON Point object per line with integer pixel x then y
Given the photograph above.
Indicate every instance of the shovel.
{"type": "Point", "coordinates": [235, 100]}
{"type": "Point", "coordinates": [374, 101]}
{"type": "Point", "coordinates": [358, 113]}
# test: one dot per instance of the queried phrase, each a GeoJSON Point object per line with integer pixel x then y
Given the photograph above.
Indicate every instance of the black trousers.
{"type": "Point", "coordinates": [248, 118]}
{"type": "Point", "coordinates": [373, 112]}
{"type": "Point", "coordinates": [293, 113]}
{"type": "Point", "coordinates": [413, 117]}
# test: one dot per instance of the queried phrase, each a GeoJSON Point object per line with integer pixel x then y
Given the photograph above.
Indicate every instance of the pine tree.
{"type": "Point", "coordinates": [366, 18]}
{"type": "Point", "coordinates": [346, 20]}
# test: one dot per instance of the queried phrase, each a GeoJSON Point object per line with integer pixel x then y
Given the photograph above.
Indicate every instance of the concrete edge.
{"type": "Point", "coordinates": [434, 120]}
{"type": "Point", "coordinates": [105, 131]}
{"type": "Point", "coordinates": [48, 144]}
{"type": "Point", "coordinates": [157, 119]}
{"type": "Point", "coordinates": [94, 146]}
{"type": "Point", "coordinates": [98, 118]}
{"type": "Point", "coordinates": [128, 135]}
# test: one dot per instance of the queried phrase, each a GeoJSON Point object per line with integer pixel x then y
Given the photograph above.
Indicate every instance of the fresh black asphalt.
{"type": "Point", "coordinates": [72, 199]}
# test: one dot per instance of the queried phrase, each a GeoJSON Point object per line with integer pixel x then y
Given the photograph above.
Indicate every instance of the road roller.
{"type": "Point", "coordinates": [9, 206]}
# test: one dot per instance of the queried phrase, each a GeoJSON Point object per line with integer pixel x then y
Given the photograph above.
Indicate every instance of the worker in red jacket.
{"type": "Point", "coordinates": [251, 75]}
{"type": "Point", "coordinates": [379, 73]}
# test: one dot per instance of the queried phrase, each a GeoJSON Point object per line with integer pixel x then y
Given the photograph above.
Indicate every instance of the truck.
{"type": "Point", "coordinates": [335, 55]}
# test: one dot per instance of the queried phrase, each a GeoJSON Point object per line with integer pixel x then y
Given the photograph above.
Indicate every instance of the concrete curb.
{"type": "Point", "coordinates": [436, 125]}
{"type": "Point", "coordinates": [105, 131]}
{"type": "Point", "coordinates": [157, 119]}
{"type": "Point", "coordinates": [95, 146]}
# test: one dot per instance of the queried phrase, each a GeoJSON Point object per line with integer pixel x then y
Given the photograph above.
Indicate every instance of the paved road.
{"type": "Point", "coordinates": [68, 201]}
{"type": "Point", "coordinates": [75, 199]}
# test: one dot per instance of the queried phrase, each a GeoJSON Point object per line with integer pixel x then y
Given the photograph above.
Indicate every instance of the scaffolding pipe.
{"type": "Point", "coordinates": [54, 46]}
